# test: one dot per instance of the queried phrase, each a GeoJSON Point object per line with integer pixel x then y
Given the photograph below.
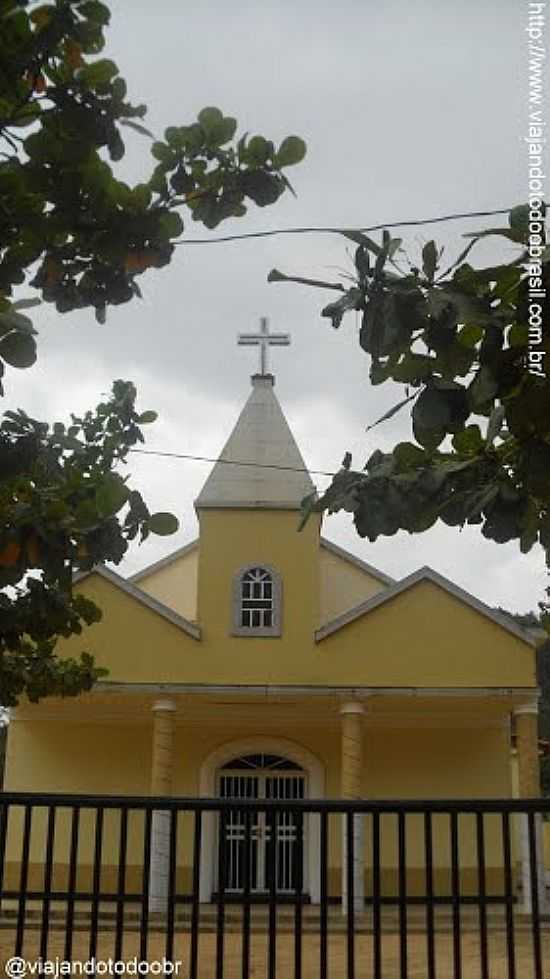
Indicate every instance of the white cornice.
{"type": "Point", "coordinates": [164, 562]}
{"type": "Point", "coordinates": [357, 562]}
{"type": "Point", "coordinates": [140, 596]}
{"type": "Point", "coordinates": [307, 690]}
{"type": "Point", "coordinates": [423, 574]}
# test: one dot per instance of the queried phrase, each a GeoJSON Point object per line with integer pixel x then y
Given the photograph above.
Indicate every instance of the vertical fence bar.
{"type": "Point", "coordinates": [430, 929]}
{"type": "Point", "coordinates": [271, 870]}
{"type": "Point", "coordinates": [23, 878]}
{"type": "Point", "coordinates": [350, 859]}
{"type": "Point", "coordinates": [71, 887]}
{"type": "Point", "coordinates": [246, 894]}
{"type": "Point", "coordinates": [376, 915]}
{"type": "Point", "coordinates": [48, 871]}
{"type": "Point", "coordinates": [455, 896]}
{"type": "Point", "coordinates": [482, 895]}
{"type": "Point", "coordinates": [509, 896]}
{"type": "Point", "coordinates": [299, 871]}
{"type": "Point", "coordinates": [121, 882]}
{"type": "Point", "coordinates": [171, 908]}
{"type": "Point", "coordinates": [195, 909]}
{"type": "Point", "coordinates": [144, 917]}
{"type": "Point", "coordinates": [535, 909]}
{"type": "Point", "coordinates": [323, 856]}
{"type": "Point", "coordinates": [220, 931]}
{"type": "Point", "coordinates": [4, 813]}
{"type": "Point", "coordinates": [96, 881]}
{"type": "Point", "coordinates": [402, 874]}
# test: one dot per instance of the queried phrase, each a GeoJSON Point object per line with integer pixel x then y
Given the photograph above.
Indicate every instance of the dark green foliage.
{"type": "Point", "coordinates": [458, 340]}
{"type": "Point", "coordinates": [63, 509]}
{"type": "Point", "coordinates": [80, 237]}
{"type": "Point", "coordinates": [65, 218]}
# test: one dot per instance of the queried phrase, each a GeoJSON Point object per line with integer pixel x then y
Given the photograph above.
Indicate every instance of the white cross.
{"type": "Point", "coordinates": [264, 339]}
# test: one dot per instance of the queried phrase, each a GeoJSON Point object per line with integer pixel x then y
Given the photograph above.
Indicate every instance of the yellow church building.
{"type": "Point", "coordinates": [261, 663]}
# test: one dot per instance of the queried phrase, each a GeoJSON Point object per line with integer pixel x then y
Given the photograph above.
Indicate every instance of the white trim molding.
{"type": "Point", "coordinates": [531, 708]}
{"type": "Point", "coordinates": [315, 772]}
{"type": "Point", "coordinates": [152, 603]}
{"type": "Point", "coordinates": [252, 632]}
{"type": "Point", "coordinates": [425, 574]}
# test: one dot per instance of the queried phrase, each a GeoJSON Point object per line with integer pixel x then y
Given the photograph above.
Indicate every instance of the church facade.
{"type": "Point", "coordinates": [259, 662]}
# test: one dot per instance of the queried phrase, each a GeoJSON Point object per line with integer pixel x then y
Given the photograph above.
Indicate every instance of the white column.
{"type": "Point", "coordinates": [351, 788]}
{"type": "Point", "coordinates": [526, 717]}
{"type": "Point", "coordinates": [162, 766]}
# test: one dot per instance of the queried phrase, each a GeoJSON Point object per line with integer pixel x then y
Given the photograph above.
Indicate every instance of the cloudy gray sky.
{"type": "Point", "coordinates": [410, 108]}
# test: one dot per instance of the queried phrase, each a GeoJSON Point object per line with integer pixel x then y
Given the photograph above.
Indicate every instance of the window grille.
{"type": "Point", "coordinates": [257, 599]}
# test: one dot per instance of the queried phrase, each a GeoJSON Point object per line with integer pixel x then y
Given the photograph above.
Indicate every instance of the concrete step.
{"type": "Point", "coordinates": [259, 920]}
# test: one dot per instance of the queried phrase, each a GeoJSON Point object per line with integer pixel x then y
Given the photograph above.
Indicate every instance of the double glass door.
{"type": "Point", "coordinates": [273, 845]}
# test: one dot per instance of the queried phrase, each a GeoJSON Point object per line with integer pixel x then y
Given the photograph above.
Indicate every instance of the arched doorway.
{"type": "Point", "coordinates": [274, 849]}
{"type": "Point", "coordinates": [267, 767]}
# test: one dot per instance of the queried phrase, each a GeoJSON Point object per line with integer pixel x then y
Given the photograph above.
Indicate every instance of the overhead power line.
{"type": "Point", "coordinates": [232, 462]}
{"type": "Point", "coordinates": [338, 231]}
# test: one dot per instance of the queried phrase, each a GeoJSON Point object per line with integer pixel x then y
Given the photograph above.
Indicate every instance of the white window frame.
{"type": "Point", "coordinates": [275, 628]}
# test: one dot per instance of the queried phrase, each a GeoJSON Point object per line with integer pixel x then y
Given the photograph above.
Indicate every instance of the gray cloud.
{"type": "Point", "coordinates": [410, 109]}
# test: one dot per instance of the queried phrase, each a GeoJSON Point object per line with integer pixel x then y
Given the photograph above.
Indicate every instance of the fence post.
{"type": "Point", "coordinates": [161, 784]}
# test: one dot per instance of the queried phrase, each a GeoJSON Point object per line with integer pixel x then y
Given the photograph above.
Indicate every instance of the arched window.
{"type": "Point", "coordinates": [257, 602]}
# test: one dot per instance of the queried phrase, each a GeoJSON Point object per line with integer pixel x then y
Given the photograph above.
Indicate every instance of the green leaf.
{"type": "Point", "coordinates": [147, 417]}
{"type": "Point", "coordinates": [409, 456]}
{"type": "Point", "coordinates": [18, 349]}
{"type": "Point", "coordinates": [209, 118]}
{"type": "Point", "coordinates": [429, 260]}
{"type": "Point", "coordinates": [483, 388]}
{"type": "Point", "coordinates": [470, 335]}
{"type": "Point", "coordinates": [496, 421]}
{"type": "Point", "coordinates": [469, 441]}
{"type": "Point", "coordinates": [518, 218]}
{"type": "Point", "coordinates": [26, 303]}
{"type": "Point", "coordinates": [111, 494]}
{"type": "Point", "coordinates": [170, 224]}
{"type": "Point", "coordinates": [16, 321]}
{"type": "Point", "coordinates": [291, 151]}
{"type": "Point", "coordinates": [138, 127]}
{"type": "Point", "coordinates": [163, 153]}
{"type": "Point", "coordinates": [360, 239]}
{"type": "Point", "coordinates": [258, 151]}
{"type": "Point", "coordinates": [95, 11]}
{"type": "Point", "coordinates": [335, 311]}
{"type": "Point", "coordinates": [98, 73]}
{"type": "Point", "coordinates": [392, 411]}
{"type": "Point", "coordinates": [163, 524]}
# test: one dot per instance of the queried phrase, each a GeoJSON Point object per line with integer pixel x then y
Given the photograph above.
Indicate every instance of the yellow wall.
{"type": "Point", "coordinates": [423, 637]}
{"type": "Point", "coordinates": [343, 584]}
{"type": "Point", "coordinates": [175, 584]}
{"type": "Point", "coordinates": [115, 758]}
{"type": "Point", "coordinates": [428, 638]}
{"type": "Point", "coordinates": [231, 539]}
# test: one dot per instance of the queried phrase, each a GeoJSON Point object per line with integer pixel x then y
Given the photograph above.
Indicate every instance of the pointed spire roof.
{"type": "Point", "coordinates": [261, 437]}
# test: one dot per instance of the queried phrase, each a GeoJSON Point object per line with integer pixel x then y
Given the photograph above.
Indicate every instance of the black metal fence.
{"type": "Point", "coordinates": [270, 888]}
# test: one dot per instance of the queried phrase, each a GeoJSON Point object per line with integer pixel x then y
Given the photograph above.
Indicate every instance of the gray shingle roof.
{"type": "Point", "coordinates": [261, 437]}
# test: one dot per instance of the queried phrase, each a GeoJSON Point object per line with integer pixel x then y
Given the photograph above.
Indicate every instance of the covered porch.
{"type": "Point", "coordinates": [287, 743]}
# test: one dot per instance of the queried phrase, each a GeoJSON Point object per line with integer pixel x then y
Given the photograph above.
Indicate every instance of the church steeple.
{"type": "Point", "coordinates": [260, 465]}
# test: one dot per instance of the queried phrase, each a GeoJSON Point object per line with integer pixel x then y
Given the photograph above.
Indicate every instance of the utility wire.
{"type": "Point", "coordinates": [231, 462]}
{"type": "Point", "coordinates": [339, 231]}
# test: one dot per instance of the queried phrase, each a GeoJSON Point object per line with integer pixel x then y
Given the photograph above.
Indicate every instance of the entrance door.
{"type": "Point", "coordinates": [261, 777]}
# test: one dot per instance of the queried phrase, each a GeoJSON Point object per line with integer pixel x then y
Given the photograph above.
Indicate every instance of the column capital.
{"type": "Point", "coordinates": [352, 707]}
{"type": "Point", "coordinates": [530, 708]}
{"type": "Point", "coordinates": [165, 704]}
